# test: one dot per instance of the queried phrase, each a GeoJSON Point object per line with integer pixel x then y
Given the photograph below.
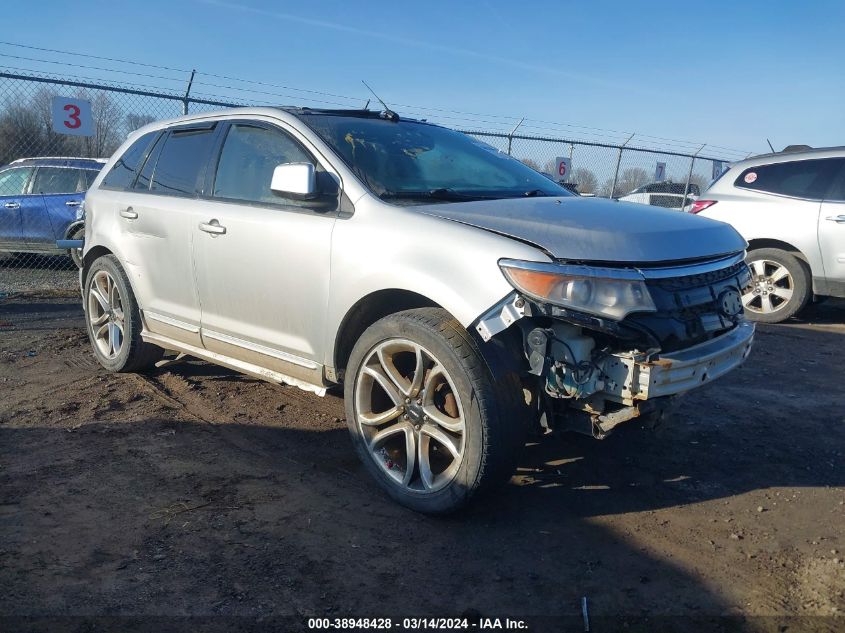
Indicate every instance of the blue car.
{"type": "Point", "coordinates": [41, 202]}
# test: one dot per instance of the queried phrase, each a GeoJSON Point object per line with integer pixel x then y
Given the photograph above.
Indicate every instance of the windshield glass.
{"type": "Point", "coordinates": [420, 162]}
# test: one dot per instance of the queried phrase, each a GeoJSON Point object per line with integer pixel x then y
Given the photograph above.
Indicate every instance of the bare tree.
{"type": "Point", "coordinates": [530, 163]}
{"type": "Point", "coordinates": [585, 179]}
{"type": "Point", "coordinates": [629, 179]}
{"type": "Point", "coordinates": [136, 121]}
{"type": "Point", "coordinates": [107, 117]}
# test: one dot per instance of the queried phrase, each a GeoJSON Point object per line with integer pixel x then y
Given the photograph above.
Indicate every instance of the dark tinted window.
{"type": "Point", "coordinates": [88, 176]}
{"type": "Point", "coordinates": [122, 174]}
{"type": "Point", "coordinates": [56, 180]}
{"type": "Point", "coordinates": [801, 179]}
{"type": "Point", "coordinates": [182, 162]}
{"type": "Point", "coordinates": [250, 154]}
{"type": "Point", "coordinates": [146, 175]}
{"type": "Point", "coordinates": [837, 191]}
{"type": "Point", "coordinates": [13, 181]}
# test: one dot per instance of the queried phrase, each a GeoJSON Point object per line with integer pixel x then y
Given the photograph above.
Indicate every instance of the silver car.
{"type": "Point", "coordinates": [790, 207]}
{"type": "Point", "coordinates": [460, 298]}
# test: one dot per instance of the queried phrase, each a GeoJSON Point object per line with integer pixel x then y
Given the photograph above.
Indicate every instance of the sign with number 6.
{"type": "Point", "coordinates": [72, 116]}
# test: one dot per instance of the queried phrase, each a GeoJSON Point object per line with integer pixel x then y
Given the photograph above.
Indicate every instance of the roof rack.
{"type": "Point", "coordinates": [20, 160]}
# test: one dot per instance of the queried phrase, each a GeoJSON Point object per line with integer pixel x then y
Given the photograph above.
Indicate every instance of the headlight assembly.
{"type": "Point", "coordinates": [608, 292]}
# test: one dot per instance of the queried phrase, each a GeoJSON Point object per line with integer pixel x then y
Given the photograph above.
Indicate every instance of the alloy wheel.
{"type": "Point", "coordinates": [410, 415]}
{"type": "Point", "coordinates": [771, 287]}
{"type": "Point", "coordinates": [105, 314]}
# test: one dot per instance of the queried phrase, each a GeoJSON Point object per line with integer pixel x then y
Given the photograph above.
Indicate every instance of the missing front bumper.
{"type": "Point", "coordinates": [636, 377]}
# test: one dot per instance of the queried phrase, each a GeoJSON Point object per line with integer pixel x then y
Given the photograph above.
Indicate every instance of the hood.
{"type": "Point", "coordinates": [597, 229]}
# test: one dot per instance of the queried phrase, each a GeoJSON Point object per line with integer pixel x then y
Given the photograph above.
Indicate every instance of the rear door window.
{"type": "Point", "coordinates": [13, 181]}
{"type": "Point", "coordinates": [122, 174]}
{"type": "Point", "coordinates": [809, 179]}
{"type": "Point", "coordinates": [837, 189]}
{"type": "Point", "coordinates": [57, 180]}
{"type": "Point", "coordinates": [180, 168]}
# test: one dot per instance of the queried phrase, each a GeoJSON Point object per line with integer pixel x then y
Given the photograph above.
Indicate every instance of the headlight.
{"type": "Point", "coordinates": [608, 292]}
{"type": "Point", "coordinates": [80, 211]}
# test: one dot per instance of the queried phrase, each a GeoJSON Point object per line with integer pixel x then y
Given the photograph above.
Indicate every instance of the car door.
{"type": "Point", "coordinates": [262, 261]}
{"type": "Point", "coordinates": [832, 234]}
{"type": "Point", "coordinates": [156, 219]}
{"type": "Point", "coordinates": [62, 190]}
{"type": "Point", "coordinates": [13, 202]}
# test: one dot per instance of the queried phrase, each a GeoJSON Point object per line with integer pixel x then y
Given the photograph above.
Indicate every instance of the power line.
{"type": "Point", "coordinates": [111, 70]}
{"type": "Point", "coordinates": [107, 59]}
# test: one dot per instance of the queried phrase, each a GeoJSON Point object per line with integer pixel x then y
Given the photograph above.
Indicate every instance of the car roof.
{"type": "Point", "coordinates": [784, 157]}
{"type": "Point", "coordinates": [62, 161]}
{"type": "Point", "coordinates": [295, 112]}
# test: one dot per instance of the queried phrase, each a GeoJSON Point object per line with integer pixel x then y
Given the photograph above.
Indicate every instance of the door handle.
{"type": "Point", "coordinates": [129, 214]}
{"type": "Point", "coordinates": [73, 203]}
{"type": "Point", "coordinates": [12, 205]}
{"type": "Point", "coordinates": [839, 219]}
{"type": "Point", "coordinates": [213, 227]}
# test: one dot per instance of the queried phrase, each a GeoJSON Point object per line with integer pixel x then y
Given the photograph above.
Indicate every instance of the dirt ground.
{"type": "Point", "coordinates": [194, 491]}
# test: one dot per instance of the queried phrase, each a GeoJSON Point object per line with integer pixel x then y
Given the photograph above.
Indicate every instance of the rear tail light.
{"type": "Point", "coordinates": [700, 205]}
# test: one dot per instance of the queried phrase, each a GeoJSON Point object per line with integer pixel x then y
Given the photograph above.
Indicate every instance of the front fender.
{"type": "Point", "coordinates": [452, 264]}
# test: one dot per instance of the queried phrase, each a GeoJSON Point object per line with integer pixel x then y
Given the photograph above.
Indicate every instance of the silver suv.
{"type": "Point", "coordinates": [462, 299]}
{"type": "Point", "coordinates": [791, 209]}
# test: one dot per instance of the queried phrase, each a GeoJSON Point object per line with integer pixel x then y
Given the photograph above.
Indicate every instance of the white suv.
{"type": "Point", "coordinates": [790, 207]}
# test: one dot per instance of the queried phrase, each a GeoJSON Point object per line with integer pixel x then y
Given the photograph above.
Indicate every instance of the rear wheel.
{"type": "Point", "coordinates": [780, 286]}
{"type": "Point", "coordinates": [434, 421]}
{"type": "Point", "coordinates": [76, 253]}
{"type": "Point", "coordinates": [113, 319]}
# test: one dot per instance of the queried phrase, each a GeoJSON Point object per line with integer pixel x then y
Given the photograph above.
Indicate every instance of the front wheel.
{"type": "Point", "coordinates": [780, 286]}
{"type": "Point", "coordinates": [433, 419]}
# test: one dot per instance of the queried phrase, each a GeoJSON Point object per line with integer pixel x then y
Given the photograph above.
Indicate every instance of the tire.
{"type": "Point", "coordinates": [461, 416]}
{"type": "Point", "coordinates": [76, 253]}
{"type": "Point", "coordinates": [113, 320]}
{"type": "Point", "coordinates": [780, 286]}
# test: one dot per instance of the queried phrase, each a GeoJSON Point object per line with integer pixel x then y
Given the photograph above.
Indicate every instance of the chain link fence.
{"type": "Point", "coordinates": [38, 199]}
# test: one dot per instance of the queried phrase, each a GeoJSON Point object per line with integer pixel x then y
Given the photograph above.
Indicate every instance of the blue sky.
{"type": "Point", "coordinates": [727, 73]}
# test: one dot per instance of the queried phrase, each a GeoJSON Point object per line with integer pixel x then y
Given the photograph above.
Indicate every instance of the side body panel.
{"type": "Point", "coordinates": [832, 244]}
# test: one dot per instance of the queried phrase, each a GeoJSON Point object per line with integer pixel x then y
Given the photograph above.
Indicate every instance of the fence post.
{"type": "Point", "coordinates": [512, 132]}
{"type": "Point", "coordinates": [689, 175]}
{"type": "Point", "coordinates": [187, 92]}
{"type": "Point", "coordinates": [618, 162]}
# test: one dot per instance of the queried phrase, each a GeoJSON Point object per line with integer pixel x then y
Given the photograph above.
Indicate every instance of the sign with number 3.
{"type": "Point", "coordinates": [72, 116]}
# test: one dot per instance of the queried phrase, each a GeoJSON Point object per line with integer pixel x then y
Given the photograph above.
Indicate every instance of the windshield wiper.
{"type": "Point", "coordinates": [531, 193]}
{"type": "Point", "coordinates": [431, 194]}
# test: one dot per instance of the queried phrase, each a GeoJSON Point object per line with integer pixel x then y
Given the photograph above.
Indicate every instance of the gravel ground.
{"type": "Point", "coordinates": [193, 491]}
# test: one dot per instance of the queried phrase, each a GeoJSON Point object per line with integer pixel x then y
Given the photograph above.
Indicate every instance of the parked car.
{"type": "Point", "coordinates": [790, 207]}
{"type": "Point", "coordinates": [41, 202]}
{"type": "Point", "coordinates": [669, 195]}
{"type": "Point", "coordinates": [461, 298]}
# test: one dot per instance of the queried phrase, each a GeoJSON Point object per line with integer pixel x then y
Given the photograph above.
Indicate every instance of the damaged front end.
{"type": "Point", "coordinates": [605, 345]}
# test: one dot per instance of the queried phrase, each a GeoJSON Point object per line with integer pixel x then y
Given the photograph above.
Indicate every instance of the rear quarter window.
{"type": "Point", "coordinates": [122, 174]}
{"type": "Point", "coordinates": [809, 179]}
